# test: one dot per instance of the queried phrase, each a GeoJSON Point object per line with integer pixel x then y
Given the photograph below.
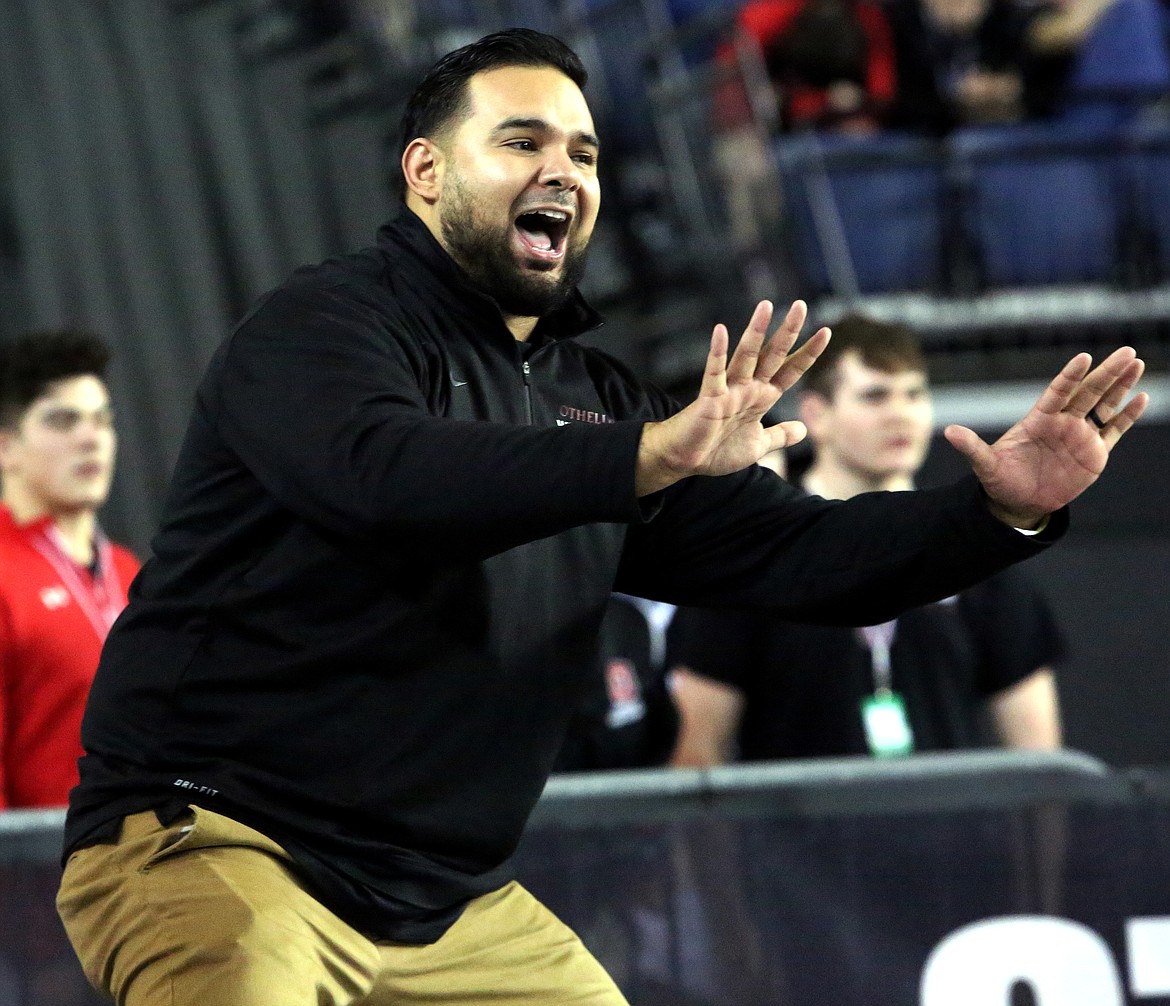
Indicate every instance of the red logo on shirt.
{"type": "Point", "coordinates": [571, 414]}
{"type": "Point", "coordinates": [625, 694]}
{"type": "Point", "coordinates": [54, 598]}
{"type": "Point", "coordinates": [621, 681]}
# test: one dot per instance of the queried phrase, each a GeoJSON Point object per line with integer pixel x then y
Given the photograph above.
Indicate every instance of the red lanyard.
{"type": "Point", "coordinates": [103, 599]}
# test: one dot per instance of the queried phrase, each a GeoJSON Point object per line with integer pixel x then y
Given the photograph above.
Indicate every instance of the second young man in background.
{"type": "Point", "coordinates": [756, 687]}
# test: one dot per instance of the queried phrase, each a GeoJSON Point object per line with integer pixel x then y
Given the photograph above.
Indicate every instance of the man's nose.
{"type": "Point", "coordinates": [560, 170]}
{"type": "Point", "coordinates": [90, 431]}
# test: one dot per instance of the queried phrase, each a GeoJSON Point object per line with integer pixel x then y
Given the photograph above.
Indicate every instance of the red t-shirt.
{"type": "Point", "coordinates": [54, 616]}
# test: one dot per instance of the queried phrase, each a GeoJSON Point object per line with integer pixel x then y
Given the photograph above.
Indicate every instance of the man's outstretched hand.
{"type": "Point", "coordinates": [1056, 451]}
{"type": "Point", "coordinates": [722, 431]}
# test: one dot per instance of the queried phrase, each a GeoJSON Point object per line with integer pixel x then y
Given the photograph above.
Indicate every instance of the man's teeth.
{"type": "Point", "coordinates": [547, 236]}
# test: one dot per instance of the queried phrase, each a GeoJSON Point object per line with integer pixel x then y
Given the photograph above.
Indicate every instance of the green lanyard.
{"type": "Point", "coordinates": [883, 714]}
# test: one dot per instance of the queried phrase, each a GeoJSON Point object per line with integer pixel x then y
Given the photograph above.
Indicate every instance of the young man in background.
{"type": "Point", "coordinates": [756, 687]}
{"type": "Point", "coordinates": [62, 583]}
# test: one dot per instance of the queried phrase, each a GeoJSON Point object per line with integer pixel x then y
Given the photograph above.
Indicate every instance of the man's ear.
{"type": "Point", "coordinates": [423, 166]}
{"type": "Point", "coordinates": [813, 407]}
{"type": "Point", "coordinates": [6, 438]}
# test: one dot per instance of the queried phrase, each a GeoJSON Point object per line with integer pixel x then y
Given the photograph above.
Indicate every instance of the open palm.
{"type": "Point", "coordinates": [722, 430]}
{"type": "Point", "coordinates": [1056, 451]}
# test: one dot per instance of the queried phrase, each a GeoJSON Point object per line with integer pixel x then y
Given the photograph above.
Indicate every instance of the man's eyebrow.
{"type": "Point", "coordinates": [542, 126]}
{"type": "Point", "coordinates": [62, 409]}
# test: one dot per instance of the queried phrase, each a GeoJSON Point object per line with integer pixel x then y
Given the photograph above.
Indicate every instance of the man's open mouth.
{"type": "Point", "coordinates": [542, 233]}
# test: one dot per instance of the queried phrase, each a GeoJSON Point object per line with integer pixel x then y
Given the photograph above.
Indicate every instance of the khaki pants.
{"type": "Point", "coordinates": [206, 912]}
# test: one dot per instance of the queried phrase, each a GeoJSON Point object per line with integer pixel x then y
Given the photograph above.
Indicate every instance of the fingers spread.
{"type": "Point", "coordinates": [1120, 423]}
{"type": "Point", "coordinates": [795, 365]}
{"type": "Point", "coordinates": [1064, 385]}
{"type": "Point", "coordinates": [782, 340]}
{"type": "Point", "coordinates": [715, 373]}
{"type": "Point", "coordinates": [1114, 377]}
{"type": "Point", "coordinates": [1117, 392]}
{"type": "Point", "coordinates": [747, 353]}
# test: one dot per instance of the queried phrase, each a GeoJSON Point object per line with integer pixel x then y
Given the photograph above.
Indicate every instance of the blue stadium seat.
{"type": "Point", "coordinates": [1042, 203]}
{"type": "Point", "coordinates": [865, 214]}
{"type": "Point", "coordinates": [1147, 177]}
{"type": "Point", "coordinates": [1123, 65]}
{"type": "Point", "coordinates": [683, 10]}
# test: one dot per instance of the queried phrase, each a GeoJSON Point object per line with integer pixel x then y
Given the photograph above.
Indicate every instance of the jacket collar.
{"type": "Point", "coordinates": [8, 522]}
{"type": "Point", "coordinates": [407, 234]}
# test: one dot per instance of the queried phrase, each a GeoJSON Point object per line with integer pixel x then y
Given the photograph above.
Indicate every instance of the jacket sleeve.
{"type": "Point", "coordinates": [752, 541]}
{"type": "Point", "coordinates": [329, 411]}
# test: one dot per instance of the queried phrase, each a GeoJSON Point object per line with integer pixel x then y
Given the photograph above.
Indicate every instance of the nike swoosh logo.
{"type": "Point", "coordinates": [457, 384]}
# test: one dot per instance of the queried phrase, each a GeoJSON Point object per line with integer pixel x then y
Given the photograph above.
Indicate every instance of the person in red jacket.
{"type": "Point", "coordinates": [62, 583]}
{"type": "Point", "coordinates": [830, 69]}
{"type": "Point", "coordinates": [831, 61]}
{"type": "Point", "coordinates": [831, 64]}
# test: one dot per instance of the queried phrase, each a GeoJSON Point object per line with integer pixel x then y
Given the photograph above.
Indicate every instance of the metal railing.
{"type": "Point", "coordinates": [799, 883]}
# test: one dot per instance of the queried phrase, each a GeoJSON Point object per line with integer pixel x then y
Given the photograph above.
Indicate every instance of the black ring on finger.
{"type": "Point", "coordinates": [1095, 419]}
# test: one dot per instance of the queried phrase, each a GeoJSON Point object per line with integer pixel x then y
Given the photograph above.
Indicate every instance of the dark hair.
{"type": "Point", "coordinates": [32, 362]}
{"type": "Point", "coordinates": [882, 345]}
{"type": "Point", "coordinates": [441, 96]}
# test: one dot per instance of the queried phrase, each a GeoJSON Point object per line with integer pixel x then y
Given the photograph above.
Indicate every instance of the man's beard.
{"type": "Point", "coordinates": [486, 255]}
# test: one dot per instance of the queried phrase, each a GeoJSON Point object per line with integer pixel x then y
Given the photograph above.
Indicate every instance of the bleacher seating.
{"type": "Point", "coordinates": [1123, 64]}
{"type": "Point", "coordinates": [1079, 199]}
{"type": "Point", "coordinates": [866, 213]}
{"type": "Point", "coordinates": [618, 87]}
{"type": "Point", "coordinates": [1146, 171]}
{"type": "Point", "coordinates": [1041, 203]}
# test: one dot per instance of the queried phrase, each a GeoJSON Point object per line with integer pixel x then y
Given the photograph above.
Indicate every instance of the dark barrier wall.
{"type": "Point", "coordinates": [963, 888]}
{"type": "Point", "coordinates": [951, 880]}
{"type": "Point", "coordinates": [1106, 584]}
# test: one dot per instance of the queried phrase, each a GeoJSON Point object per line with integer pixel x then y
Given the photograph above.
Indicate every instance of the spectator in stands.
{"type": "Point", "coordinates": [62, 583]}
{"type": "Point", "coordinates": [776, 689]}
{"type": "Point", "coordinates": [626, 718]}
{"type": "Point", "coordinates": [830, 64]}
{"type": "Point", "coordinates": [1104, 61]}
{"type": "Point", "coordinates": [969, 62]}
{"type": "Point", "coordinates": [830, 61]}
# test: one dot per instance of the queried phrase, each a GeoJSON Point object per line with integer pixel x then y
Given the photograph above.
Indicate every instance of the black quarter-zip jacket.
{"type": "Point", "coordinates": [391, 532]}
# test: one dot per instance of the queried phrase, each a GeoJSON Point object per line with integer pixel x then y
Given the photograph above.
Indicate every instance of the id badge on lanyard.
{"type": "Point", "coordinates": [883, 714]}
{"type": "Point", "coordinates": [103, 599]}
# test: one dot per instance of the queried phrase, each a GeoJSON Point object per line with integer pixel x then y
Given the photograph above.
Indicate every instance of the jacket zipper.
{"type": "Point", "coordinates": [527, 371]}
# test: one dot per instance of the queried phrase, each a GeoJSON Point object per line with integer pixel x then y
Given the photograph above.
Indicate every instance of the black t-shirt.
{"type": "Point", "coordinates": [626, 718]}
{"type": "Point", "coordinates": [803, 685]}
